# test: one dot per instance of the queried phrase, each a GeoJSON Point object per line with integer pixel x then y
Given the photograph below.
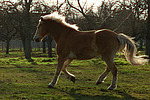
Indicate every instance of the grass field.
{"type": "Point", "coordinates": [28, 79]}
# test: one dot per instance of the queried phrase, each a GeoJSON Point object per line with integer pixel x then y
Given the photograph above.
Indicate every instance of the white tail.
{"type": "Point", "coordinates": [128, 45]}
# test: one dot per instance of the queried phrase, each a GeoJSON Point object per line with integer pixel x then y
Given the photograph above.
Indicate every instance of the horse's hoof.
{"type": "Point", "coordinates": [98, 83]}
{"type": "Point", "coordinates": [50, 86]}
{"type": "Point", "coordinates": [111, 87]}
{"type": "Point", "coordinates": [73, 79]}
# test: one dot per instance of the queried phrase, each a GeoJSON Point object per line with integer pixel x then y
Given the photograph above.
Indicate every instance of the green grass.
{"type": "Point", "coordinates": [28, 79]}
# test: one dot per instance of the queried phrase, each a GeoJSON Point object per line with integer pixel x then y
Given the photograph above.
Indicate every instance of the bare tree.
{"type": "Point", "coordinates": [23, 25]}
{"type": "Point", "coordinates": [7, 23]}
{"type": "Point", "coordinates": [138, 19]}
{"type": "Point", "coordinates": [27, 29]}
{"type": "Point", "coordinates": [83, 11]}
{"type": "Point", "coordinates": [148, 31]}
{"type": "Point", "coordinates": [97, 20]}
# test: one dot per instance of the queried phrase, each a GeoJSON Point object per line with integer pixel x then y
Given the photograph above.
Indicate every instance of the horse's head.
{"type": "Point", "coordinates": [41, 30]}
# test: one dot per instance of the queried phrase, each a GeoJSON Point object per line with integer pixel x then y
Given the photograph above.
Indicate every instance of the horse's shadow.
{"type": "Point", "coordinates": [79, 96]}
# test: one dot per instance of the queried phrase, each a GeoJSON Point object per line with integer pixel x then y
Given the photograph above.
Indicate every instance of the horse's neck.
{"type": "Point", "coordinates": [59, 34]}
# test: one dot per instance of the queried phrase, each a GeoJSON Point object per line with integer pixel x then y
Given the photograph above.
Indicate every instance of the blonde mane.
{"type": "Point", "coordinates": [60, 19]}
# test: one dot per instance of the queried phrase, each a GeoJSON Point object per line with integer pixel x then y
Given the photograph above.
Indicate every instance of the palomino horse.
{"type": "Point", "coordinates": [82, 45]}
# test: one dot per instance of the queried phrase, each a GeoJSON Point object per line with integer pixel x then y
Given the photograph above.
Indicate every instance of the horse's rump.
{"type": "Point", "coordinates": [107, 42]}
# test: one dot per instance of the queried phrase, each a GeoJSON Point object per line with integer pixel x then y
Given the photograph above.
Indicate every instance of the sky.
{"type": "Point", "coordinates": [89, 2]}
{"type": "Point", "coordinates": [84, 3]}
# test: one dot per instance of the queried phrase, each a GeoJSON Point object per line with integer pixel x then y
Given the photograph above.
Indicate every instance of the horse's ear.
{"type": "Point", "coordinates": [42, 19]}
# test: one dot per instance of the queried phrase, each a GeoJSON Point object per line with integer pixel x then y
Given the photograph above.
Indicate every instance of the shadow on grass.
{"type": "Point", "coordinates": [74, 93]}
{"type": "Point", "coordinates": [27, 69]}
{"type": "Point", "coordinates": [32, 61]}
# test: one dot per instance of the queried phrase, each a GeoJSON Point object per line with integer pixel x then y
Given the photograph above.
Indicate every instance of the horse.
{"type": "Point", "coordinates": [82, 45]}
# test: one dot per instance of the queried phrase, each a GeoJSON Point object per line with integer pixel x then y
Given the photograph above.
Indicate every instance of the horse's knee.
{"type": "Point", "coordinates": [114, 71]}
{"type": "Point", "coordinates": [64, 70]}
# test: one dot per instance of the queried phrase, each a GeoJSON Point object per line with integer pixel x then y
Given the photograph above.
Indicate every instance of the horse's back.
{"type": "Point", "coordinates": [107, 41]}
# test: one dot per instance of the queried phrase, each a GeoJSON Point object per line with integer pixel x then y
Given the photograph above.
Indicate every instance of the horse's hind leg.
{"type": "Point", "coordinates": [103, 76]}
{"type": "Point", "coordinates": [114, 72]}
{"type": "Point", "coordinates": [69, 75]}
{"type": "Point", "coordinates": [111, 66]}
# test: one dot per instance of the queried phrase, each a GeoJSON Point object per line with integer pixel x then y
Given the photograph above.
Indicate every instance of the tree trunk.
{"type": "Point", "coordinates": [2, 46]}
{"type": "Point", "coordinates": [148, 31]}
{"type": "Point", "coordinates": [49, 42]}
{"type": "Point", "coordinates": [23, 43]}
{"type": "Point", "coordinates": [7, 46]}
{"type": "Point", "coordinates": [28, 38]}
{"type": "Point", "coordinates": [27, 29]}
{"type": "Point", "coordinates": [27, 48]}
{"type": "Point", "coordinates": [20, 46]}
{"type": "Point", "coordinates": [44, 47]}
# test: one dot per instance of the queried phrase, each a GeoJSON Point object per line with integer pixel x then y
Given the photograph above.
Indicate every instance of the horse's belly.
{"type": "Point", "coordinates": [83, 54]}
{"type": "Point", "coordinates": [84, 47]}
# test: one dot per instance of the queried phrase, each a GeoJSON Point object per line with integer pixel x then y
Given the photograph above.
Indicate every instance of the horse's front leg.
{"type": "Point", "coordinates": [69, 75]}
{"type": "Point", "coordinates": [58, 71]}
